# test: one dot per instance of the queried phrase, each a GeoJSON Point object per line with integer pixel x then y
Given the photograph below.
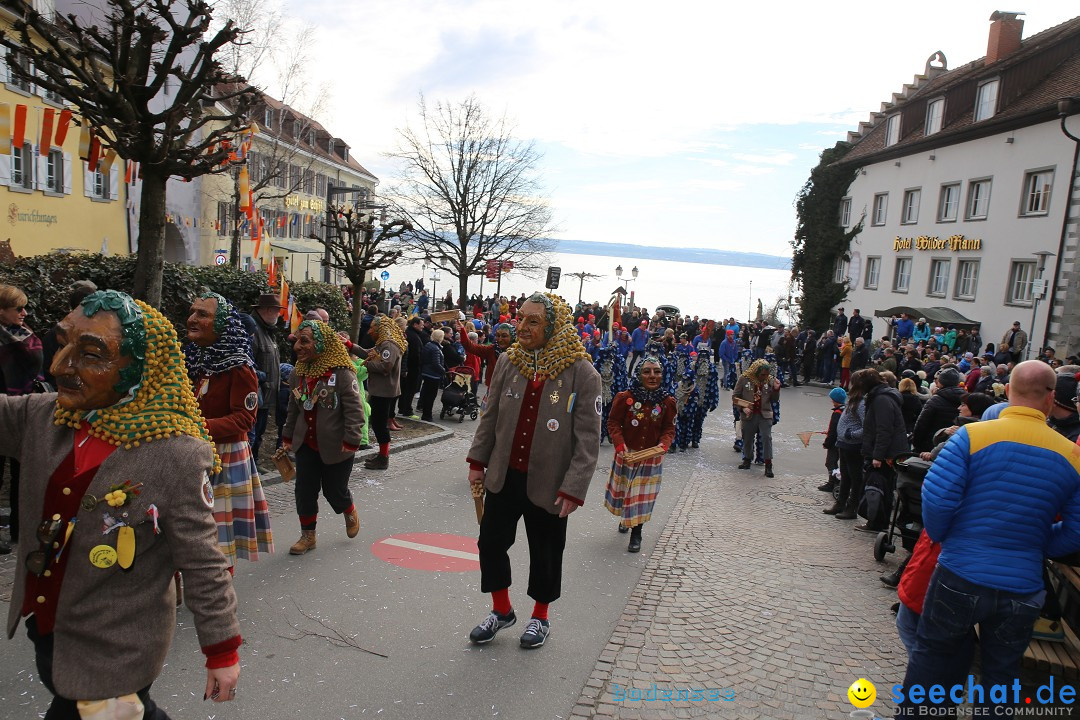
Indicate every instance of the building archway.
{"type": "Point", "coordinates": [175, 247]}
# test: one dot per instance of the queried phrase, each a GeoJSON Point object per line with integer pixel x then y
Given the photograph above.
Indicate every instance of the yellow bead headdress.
{"type": "Point", "coordinates": [159, 402]}
{"type": "Point", "coordinates": [387, 329]}
{"type": "Point", "coordinates": [332, 352]}
{"type": "Point", "coordinates": [562, 349]}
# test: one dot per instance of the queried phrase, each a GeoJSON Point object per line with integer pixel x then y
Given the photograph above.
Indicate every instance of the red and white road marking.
{"type": "Point", "coordinates": [429, 551]}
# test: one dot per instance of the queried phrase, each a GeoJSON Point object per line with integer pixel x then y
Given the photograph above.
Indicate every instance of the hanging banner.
{"type": "Point", "coordinates": [45, 143]}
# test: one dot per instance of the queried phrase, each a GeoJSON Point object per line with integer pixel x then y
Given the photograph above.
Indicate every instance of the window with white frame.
{"type": "Point", "coordinates": [268, 118]}
{"type": "Point", "coordinates": [881, 207]}
{"type": "Point", "coordinates": [978, 204]}
{"type": "Point", "coordinates": [986, 100]}
{"type": "Point", "coordinates": [910, 214]}
{"type": "Point", "coordinates": [939, 278]}
{"type": "Point", "coordinates": [54, 171]}
{"type": "Point", "coordinates": [1037, 186]}
{"type": "Point", "coordinates": [1021, 276]}
{"type": "Point", "coordinates": [840, 270]}
{"type": "Point", "coordinates": [949, 202]}
{"type": "Point", "coordinates": [892, 130]}
{"type": "Point", "coordinates": [22, 166]}
{"type": "Point", "coordinates": [967, 278]}
{"type": "Point", "coordinates": [845, 212]}
{"type": "Point", "coordinates": [23, 62]}
{"type": "Point", "coordinates": [935, 113]}
{"type": "Point", "coordinates": [902, 274]}
{"type": "Point", "coordinates": [101, 185]}
{"type": "Point", "coordinates": [873, 272]}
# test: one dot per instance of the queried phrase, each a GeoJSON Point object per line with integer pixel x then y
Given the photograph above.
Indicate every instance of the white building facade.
{"type": "Point", "coordinates": [966, 189]}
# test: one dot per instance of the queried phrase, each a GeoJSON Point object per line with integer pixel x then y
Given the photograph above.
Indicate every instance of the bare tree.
{"type": "Point", "coordinates": [146, 83]}
{"type": "Point", "coordinates": [470, 190]}
{"type": "Point", "coordinates": [356, 248]}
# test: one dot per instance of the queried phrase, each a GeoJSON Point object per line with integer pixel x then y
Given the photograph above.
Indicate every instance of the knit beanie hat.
{"type": "Point", "coordinates": [949, 377]}
{"type": "Point", "coordinates": [838, 395]}
{"type": "Point", "coordinates": [1065, 391]}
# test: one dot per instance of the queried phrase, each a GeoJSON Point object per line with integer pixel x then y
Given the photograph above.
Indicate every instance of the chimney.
{"type": "Point", "coordinates": [1006, 29]}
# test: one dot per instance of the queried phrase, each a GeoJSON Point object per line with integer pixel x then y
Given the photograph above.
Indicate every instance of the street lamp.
{"type": "Point", "coordinates": [1038, 289]}
{"type": "Point", "coordinates": [435, 277]}
{"type": "Point", "coordinates": [627, 281]}
{"type": "Point", "coordinates": [750, 303]}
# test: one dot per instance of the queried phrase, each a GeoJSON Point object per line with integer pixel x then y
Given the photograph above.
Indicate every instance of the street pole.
{"type": "Point", "coordinates": [1035, 297]}
{"type": "Point", "coordinates": [750, 302]}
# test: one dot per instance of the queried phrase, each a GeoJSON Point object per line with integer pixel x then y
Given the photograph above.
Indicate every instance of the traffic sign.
{"type": "Point", "coordinates": [220, 260]}
{"type": "Point", "coordinates": [429, 551]}
{"type": "Point", "coordinates": [553, 275]}
{"type": "Point", "coordinates": [385, 275]}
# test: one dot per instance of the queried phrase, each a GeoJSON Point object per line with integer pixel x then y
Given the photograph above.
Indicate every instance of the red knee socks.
{"type": "Point", "coordinates": [500, 601]}
{"type": "Point", "coordinates": [540, 611]}
{"type": "Point", "coordinates": [384, 449]}
{"type": "Point", "coordinates": [307, 522]}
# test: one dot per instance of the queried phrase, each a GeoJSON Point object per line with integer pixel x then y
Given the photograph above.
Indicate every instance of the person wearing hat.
{"type": "Point", "coordinates": [1063, 416]}
{"type": "Point", "coordinates": [838, 396]}
{"type": "Point", "coordinates": [264, 349]}
{"type": "Point", "coordinates": [940, 410]}
{"type": "Point", "coordinates": [1013, 342]}
{"type": "Point", "coordinates": [921, 331]}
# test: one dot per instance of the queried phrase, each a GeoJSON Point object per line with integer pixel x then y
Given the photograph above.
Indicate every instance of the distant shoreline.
{"type": "Point", "coordinates": [694, 255]}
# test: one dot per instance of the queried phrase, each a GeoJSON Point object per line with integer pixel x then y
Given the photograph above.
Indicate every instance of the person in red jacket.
{"type": "Point", "coordinates": [222, 373]}
{"type": "Point", "coordinates": [642, 417]}
{"type": "Point", "coordinates": [505, 336]}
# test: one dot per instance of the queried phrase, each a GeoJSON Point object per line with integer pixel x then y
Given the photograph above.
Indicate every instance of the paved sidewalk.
{"type": "Point", "coordinates": [755, 594]}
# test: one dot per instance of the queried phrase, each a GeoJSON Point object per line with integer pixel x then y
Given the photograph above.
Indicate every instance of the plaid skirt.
{"type": "Point", "coordinates": [240, 510]}
{"type": "Point", "coordinates": [632, 490]}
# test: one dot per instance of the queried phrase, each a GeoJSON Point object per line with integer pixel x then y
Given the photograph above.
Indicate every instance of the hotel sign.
{"type": "Point", "coordinates": [300, 203]}
{"type": "Point", "coordinates": [955, 243]}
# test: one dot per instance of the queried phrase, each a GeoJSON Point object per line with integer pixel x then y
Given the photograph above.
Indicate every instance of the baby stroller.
{"type": "Point", "coordinates": [907, 507]}
{"type": "Point", "coordinates": [457, 395]}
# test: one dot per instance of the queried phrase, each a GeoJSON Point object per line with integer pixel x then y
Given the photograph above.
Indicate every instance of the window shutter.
{"type": "Point", "coordinates": [5, 169]}
{"type": "Point", "coordinates": [88, 180]}
{"type": "Point", "coordinates": [3, 64]}
{"type": "Point", "coordinates": [114, 183]}
{"type": "Point", "coordinates": [41, 174]}
{"type": "Point", "coordinates": [67, 173]}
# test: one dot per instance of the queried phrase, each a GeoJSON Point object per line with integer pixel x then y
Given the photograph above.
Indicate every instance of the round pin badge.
{"type": "Point", "coordinates": [385, 354]}
{"type": "Point", "coordinates": [207, 492]}
{"type": "Point", "coordinates": [102, 556]}
{"type": "Point", "coordinates": [553, 425]}
{"type": "Point", "coordinates": [634, 422]}
{"type": "Point", "coordinates": [251, 401]}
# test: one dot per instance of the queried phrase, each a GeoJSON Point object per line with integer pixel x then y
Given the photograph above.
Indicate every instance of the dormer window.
{"type": "Point", "coordinates": [268, 119]}
{"type": "Point", "coordinates": [330, 146]}
{"type": "Point", "coordinates": [986, 100]}
{"type": "Point", "coordinates": [892, 130]}
{"type": "Point", "coordinates": [935, 112]}
{"type": "Point", "coordinates": [311, 138]}
{"type": "Point", "coordinates": [345, 154]}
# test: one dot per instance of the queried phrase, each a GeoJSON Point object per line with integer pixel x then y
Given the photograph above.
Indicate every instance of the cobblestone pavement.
{"type": "Point", "coordinates": [754, 593]}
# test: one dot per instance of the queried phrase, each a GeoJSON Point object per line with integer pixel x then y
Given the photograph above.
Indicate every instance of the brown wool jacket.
{"type": "Point", "coordinates": [565, 443]}
{"type": "Point", "coordinates": [334, 425]}
{"type": "Point", "coordinates": [384, 372]}
{"type": "Point", "coordinates": [114, 627]}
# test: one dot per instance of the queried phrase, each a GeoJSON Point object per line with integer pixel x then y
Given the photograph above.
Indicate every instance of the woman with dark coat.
{"type": "Point", "coordinates": [884, 438]}
{"type": "Point", "coordinates": [432, 371]}
{"type": "Point", "coordinates": [912, 403]}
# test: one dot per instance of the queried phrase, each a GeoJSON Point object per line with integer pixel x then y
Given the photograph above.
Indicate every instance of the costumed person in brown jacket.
{"type": "Point", "coordinates": [117, 498]}
{"type": "Point", "coordinates": [325, 424]}
{"type": "Point", "coordinates": [641, 418]}
{"type": "Point", "coordinates": [534, 453]}
{"type": "Point", "coordinates": [222, 373]}
{"type": "Point", "coordinates": [505, 336]}
{"type": "Point", "coordinates": [384, 383]}
{"type": "Point", "coordinates": [757, 388]}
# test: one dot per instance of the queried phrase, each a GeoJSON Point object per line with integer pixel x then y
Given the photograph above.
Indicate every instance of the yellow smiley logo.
{"type": "Point", "coordinates": [862, 693]}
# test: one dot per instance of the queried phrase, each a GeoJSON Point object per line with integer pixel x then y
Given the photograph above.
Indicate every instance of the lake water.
{"type": "Point", "coordinates": [706, 290]}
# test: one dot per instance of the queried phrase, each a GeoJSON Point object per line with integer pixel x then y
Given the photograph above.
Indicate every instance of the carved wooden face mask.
{"type": "Point", "coordinates": [90, 360]}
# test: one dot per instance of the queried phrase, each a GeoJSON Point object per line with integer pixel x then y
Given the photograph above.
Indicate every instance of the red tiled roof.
{"type": "Point", "coordinates": [1044, 69]}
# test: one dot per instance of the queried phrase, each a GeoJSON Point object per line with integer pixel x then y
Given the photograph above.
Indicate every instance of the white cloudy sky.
{"type": "Point", "coordinates": [684, 123]}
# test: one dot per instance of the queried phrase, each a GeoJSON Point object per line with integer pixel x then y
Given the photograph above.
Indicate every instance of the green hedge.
{"type": "Point", "coordinates": [45, 280]}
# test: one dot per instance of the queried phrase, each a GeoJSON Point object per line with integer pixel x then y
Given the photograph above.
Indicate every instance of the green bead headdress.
{"type": "Point", "coordinates": [221, 316]}
{"type": "Point", "coordinates": [159, 402]}
{"type": "Point", "coordinates": [563, 346]}
{"type": "Point", "coordinates": [331, 351]}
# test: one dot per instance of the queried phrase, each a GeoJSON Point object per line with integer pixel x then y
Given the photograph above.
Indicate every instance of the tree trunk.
{"type": "Point", "coordinates": [234, 247]}
{"type": "Point", "coordinates": [151, 258]}
{"type": "Point", "coordinates": [357, 311]}
{"type": "Point", "coordinates": [463, 292]}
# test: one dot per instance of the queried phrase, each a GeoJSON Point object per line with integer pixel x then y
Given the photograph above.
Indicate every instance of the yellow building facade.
{"type": "Point", "coordinates": [49, 200]}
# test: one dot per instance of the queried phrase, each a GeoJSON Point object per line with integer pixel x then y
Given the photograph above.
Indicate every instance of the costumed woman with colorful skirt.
{"type": "Point", "coordinates": [222, 373]}
{"type": "Point", "coordinates": [326, 418]}
{"type": "Point", "coordinates": [641, 418]}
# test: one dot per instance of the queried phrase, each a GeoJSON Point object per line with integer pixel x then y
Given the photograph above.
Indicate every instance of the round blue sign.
{"type": "Point", "coordinates": [385, 275]}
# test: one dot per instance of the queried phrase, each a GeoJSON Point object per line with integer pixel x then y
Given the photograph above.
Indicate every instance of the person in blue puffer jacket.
{"type": "Point", "coordinates": [432, 371]}
{"type": "Point", "coordinates": [992, 499]}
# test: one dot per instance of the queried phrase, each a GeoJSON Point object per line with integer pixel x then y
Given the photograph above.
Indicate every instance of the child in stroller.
{"type": "Point", "coordinates": [457, 396]}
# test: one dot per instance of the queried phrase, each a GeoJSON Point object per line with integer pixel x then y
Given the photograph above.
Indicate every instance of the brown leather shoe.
{"type": "Point", "coordinates": [393, 425]}
{"type": "Point", "coordinates": [352, 523]}
{"type": "Point", "coordinates": [307, 541]}
{"type": "Point", "coordinates": [377, 462]}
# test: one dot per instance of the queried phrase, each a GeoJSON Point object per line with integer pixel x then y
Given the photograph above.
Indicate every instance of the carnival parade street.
{"type": "Point", "coordinates": [742, 586]}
